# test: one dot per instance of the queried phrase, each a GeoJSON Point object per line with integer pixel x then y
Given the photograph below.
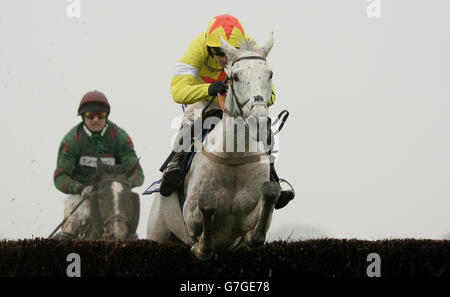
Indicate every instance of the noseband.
{"type": "Point", "coordinates": [235, 98]}
{"type": "Point", "coordinates": [112, 219]}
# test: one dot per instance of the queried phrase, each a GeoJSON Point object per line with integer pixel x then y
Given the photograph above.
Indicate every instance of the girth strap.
{"type": "Point", "coordinates": [235, 160]}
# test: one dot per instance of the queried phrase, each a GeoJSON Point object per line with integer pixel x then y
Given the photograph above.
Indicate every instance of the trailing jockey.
{"type": "Point", "coordinates": [95, 137]}
{"type": "Point", "coordinates": [200, 74]}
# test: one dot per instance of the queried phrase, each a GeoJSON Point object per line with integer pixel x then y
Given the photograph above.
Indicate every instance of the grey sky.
{"type": "Point", "coordinates": [366, 146]}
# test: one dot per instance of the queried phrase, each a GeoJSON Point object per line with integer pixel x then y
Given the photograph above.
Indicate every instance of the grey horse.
{"type": "Point", "coordinates": [229, 196]}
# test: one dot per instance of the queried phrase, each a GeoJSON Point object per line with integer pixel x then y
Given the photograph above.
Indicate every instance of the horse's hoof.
{"type": "Point", "coordinates": [196, 253]}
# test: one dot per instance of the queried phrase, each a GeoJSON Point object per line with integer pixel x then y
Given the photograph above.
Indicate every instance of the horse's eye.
{"type": "Point", "coordinates": [271, 74]}
{"type": "Point", "coordinates": [235, 77]}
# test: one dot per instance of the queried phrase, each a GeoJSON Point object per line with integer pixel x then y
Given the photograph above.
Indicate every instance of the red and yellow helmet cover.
{"type": "Point", "coordinates": [228, 27]}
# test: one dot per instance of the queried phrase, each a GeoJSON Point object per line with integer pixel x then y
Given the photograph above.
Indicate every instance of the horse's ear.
{"type": "Point", "coordinates": [100, 166]}
{"type": "Point", "coordinates": [265, 49]}
{"type": "Point", "coordinates": [229, 50]}
{"type": "Point", "coordinates": [132, 168]}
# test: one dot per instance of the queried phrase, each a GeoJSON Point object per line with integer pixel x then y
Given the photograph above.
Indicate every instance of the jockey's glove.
{"type": "Point", "coordinates": [86, 191]}
{"type": "Point", "coordinates": [217, 87]}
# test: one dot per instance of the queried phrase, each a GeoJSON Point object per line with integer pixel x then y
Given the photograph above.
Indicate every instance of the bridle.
{"type": "Point", "coordinates": [116, 217]}
{"type": "Point", "coordinates": [235, 98]}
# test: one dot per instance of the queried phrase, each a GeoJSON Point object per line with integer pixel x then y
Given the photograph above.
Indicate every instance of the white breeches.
{"type": "Point", "coordinates": [79, 217]}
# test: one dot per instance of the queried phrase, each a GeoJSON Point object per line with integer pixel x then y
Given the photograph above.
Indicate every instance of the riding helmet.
{"type": "Point", "coordinates": [94, 101]}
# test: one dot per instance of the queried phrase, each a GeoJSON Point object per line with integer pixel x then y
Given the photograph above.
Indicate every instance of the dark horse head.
{"type": "Point", "coordinates": [114, 207]}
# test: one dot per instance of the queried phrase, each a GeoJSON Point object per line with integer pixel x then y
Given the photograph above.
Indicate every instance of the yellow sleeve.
{"type": "Point", "coordinates": [273, 96]}
{"type": "Point", "coordinates": [186, 87]}
{"type": "Point", "coordinates": [185, 91]}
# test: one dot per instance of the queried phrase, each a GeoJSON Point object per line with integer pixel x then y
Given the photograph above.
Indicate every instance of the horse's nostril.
{"type": "Point", "coordinates": [259, 98]}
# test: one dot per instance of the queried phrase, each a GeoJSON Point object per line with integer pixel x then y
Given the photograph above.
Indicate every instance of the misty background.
{"type": "Point", "coordinates": [366, 145]}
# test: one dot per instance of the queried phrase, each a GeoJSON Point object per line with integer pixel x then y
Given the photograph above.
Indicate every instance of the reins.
{"type": "Point", "coordinates": [238, 104]}
{"type": "Point", "coordinates": [282, 116]}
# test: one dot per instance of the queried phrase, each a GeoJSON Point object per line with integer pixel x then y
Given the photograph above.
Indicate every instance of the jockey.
{"type": "Point", "coordinates": [199, 74]}
{"type": "Point", "coordinates": [95, 137]}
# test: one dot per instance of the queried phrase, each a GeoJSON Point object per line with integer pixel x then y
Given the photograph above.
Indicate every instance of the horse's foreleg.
{"type": "Point", "coordinates": [270, 193]}
{"type": "Point", "coordinates": [203, 250]}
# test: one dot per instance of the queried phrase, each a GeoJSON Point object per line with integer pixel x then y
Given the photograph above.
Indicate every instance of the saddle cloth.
{"type": "Point", "coordinates": [155, 187]}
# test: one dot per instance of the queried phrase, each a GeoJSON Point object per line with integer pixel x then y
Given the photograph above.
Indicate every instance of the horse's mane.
{"type": "Point", "coordinates": [109, 170]}
{"type": "Point", "coordinates": [247, 45]}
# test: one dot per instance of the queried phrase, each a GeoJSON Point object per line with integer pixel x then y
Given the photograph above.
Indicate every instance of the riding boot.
{"type": "Point", "coordinates": [173, 175]}
{"type": "Point", "coordinates": [286, 195]}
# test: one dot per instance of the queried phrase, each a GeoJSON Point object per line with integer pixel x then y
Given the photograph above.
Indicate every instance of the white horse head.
{"type": "Point", "coordinates": [250, 78]}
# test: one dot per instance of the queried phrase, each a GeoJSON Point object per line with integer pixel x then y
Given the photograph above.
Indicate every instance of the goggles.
{"type": "Point", "coordinates": [217, 51]}
{"type": "Point", "coordinates": [92, 114]}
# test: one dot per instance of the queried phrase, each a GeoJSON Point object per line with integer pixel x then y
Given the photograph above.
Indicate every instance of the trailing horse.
{"type": "Point", "coordinates": [114, 213]}
{"type": "Point", "coordinates": [229, 196]}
